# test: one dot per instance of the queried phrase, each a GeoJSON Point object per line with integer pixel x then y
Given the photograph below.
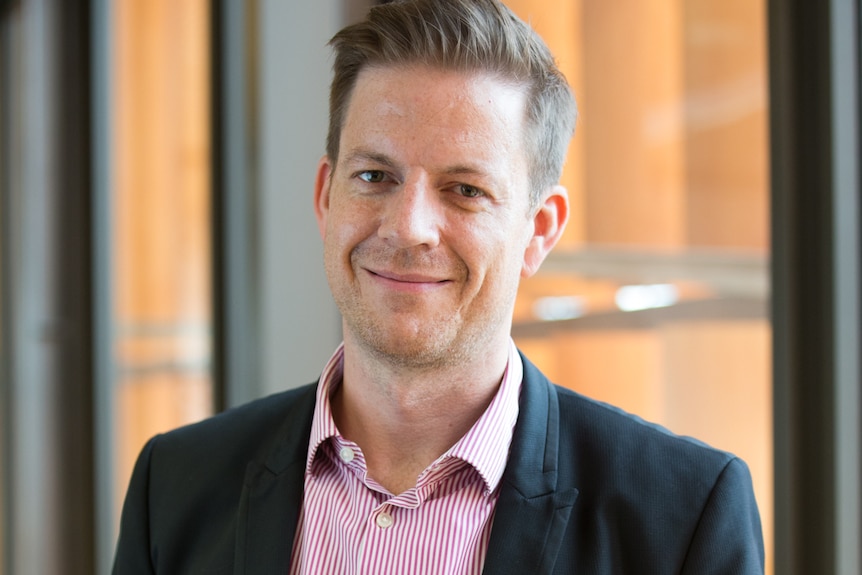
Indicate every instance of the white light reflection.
{"type": "Point", "coordinates": [638, 297]}
{"type": "Point", "coordinates": [558, 308]}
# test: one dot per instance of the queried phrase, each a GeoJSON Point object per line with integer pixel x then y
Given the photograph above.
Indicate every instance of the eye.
{"type": "Point", "coordinates": [372, 176]}
{"type": "Point", "coordinates": [469, 191]}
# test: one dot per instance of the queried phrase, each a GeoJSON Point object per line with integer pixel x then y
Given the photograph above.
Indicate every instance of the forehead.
{"type": "Point", "coordinates": [440, 107]}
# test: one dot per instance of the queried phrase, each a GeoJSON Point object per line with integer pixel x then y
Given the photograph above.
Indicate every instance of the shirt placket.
{"type": "Point", "coordinates": [379, 540]}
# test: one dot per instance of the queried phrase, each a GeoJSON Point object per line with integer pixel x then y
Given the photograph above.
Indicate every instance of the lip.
{"type": "Point", "coordinates": [406, 281]}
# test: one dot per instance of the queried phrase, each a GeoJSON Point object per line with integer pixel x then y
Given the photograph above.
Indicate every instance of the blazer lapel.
{"type": "Point", "coordinates": [272, 498]}
{"type": "Point", "coordinates": [533, 511]}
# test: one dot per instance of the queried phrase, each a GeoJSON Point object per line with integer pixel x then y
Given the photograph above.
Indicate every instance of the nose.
{"type": "Point", "coordinates": [411, 216]}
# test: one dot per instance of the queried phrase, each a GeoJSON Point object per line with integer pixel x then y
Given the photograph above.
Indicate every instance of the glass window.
{"type": "Point", "coordinates": [161, 260]}
{"type": "Point", "coordinates": [657, 299]}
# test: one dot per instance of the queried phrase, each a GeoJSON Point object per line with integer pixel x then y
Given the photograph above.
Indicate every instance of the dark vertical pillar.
{"type": "Point", "coordinates": [814, 71]}
{"type": "Point", "coordinates": [72, 291]}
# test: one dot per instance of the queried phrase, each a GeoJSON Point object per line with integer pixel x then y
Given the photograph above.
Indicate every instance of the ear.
{"type": "Point", "coordinates": [322, 185]}
{"type": "Point", "coordinates": [549, 221]}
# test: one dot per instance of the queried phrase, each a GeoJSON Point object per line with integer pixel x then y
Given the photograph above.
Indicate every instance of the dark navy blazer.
{"type": "Point", "coordinates": [588, 489]}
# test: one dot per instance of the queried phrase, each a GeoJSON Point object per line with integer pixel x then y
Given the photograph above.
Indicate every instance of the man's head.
{"type": "Point", "coordinates": [468, 36]}
{"type": "Point", "coordinates": [439, 190]}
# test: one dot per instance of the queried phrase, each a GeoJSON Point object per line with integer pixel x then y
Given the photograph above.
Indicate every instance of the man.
{"type": "Point", "coordinates": [429, 444]}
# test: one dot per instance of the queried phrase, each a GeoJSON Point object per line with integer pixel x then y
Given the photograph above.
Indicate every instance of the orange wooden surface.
{"type": "Point", "coordinates": [161, 234]}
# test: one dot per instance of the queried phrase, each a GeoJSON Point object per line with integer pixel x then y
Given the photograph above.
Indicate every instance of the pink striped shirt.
{"type": "Point", "coordinates": [351, 525]}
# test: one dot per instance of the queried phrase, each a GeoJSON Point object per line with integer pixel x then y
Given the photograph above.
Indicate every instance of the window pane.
{"type": "Point", "coordinates": [161, 230]}
{"type": "Point", "coordinates": [657, 300]}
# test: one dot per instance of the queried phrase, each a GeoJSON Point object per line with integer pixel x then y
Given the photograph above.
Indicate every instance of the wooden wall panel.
{"type": "Point", "coordinates": [633, 109]}
{"type": "Point", "coordinates": [162, 252]}
{"type": "Point", "coordinates": [726, 128]}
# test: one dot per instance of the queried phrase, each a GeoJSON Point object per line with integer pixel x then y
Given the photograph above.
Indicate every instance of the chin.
{"type": "Point", "coordinates": [422, 349]}
{"type": "Point", "coordinates": [420, 361]}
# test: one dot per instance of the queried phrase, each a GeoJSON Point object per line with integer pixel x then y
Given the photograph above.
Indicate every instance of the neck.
{"type": "Point", "coordinates": [402, 418]}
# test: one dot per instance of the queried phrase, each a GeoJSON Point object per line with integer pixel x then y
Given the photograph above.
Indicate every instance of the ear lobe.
{"type": "Point", "coordinates": [549, 221]}
{"type": "Point", "coordinates": [322, 185]}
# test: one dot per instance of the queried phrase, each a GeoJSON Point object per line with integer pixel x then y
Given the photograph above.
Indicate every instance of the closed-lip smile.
{"type": "Point", "coordinates": [406, 278]}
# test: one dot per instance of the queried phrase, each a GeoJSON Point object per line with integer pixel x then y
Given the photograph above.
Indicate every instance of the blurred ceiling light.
{"type": "Point", "coordinates": [556, 308]}
{"type": "Point", "coordinates": [638, 297]}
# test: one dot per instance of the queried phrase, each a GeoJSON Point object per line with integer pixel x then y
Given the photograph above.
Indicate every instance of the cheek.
{"type": "Point", "coordinates": [494, 259]}
{"type": "Point", "coordinates": [510, 261]}
{"type": "Point", "coordinates": [346, 225]}
{"type": "Point", "coordinates": [346, 236]}
{"type": "Point", "coordinates": [336, 248]}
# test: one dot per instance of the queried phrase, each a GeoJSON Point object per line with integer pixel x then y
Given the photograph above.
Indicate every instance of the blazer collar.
{"type": "Point", "coordinates": [533, 510]}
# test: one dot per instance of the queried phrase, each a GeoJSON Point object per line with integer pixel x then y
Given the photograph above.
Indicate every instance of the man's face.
{"type": "Point", "coordinates": [425, 217]}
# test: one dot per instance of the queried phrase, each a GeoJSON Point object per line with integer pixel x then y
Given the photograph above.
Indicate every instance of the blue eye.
{"type": "Point", "coordinates": [372, 176]}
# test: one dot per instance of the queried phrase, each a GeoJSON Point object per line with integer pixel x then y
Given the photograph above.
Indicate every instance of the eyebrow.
{"type": "Point", "coordinates": [361, 155]}
{"type": "Point", "coordinates": [368, 156]}
{"type": "Point", "coordinates": [463, 169]}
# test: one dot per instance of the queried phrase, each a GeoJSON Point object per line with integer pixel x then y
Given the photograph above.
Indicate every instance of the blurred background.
{"type": "Point", "coordinates": [159, 259]}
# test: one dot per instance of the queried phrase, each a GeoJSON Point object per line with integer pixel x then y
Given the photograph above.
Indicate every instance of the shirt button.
{"type": "Point", "coordinates": [346, 454]}
{"type": "Point", "coordinates": [384, 520]}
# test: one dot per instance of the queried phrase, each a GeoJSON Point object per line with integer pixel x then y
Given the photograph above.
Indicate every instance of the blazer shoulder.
{"type": "Point", "coordinates": [182, 505]}
{"type": "Point", "coordinates": [648, 500]}
{"type": "Point", "coordinates": [596, 439]}
{"type": "Point", "coordinates": [669, 499]}
{"type": "Point", "coordinates": [628, 439]}
{"type": "Point", "coordinates": [275, 427]}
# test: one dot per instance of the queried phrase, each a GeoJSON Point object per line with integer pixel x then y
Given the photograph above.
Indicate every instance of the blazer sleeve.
{"type": "Point", "coordinates": [133, 547]}
{"type": "Point", "coordinates": [728, 538]}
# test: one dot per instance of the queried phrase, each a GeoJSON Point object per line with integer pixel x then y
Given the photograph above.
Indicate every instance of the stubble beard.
{"type": "Point", "coordinates": [444, 338]}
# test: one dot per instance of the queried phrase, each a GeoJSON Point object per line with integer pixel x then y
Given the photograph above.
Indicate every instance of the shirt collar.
{"type": "Point", "coordinates": [323, 424]}
{"type": "Point", "coordinates": [485, 446]}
